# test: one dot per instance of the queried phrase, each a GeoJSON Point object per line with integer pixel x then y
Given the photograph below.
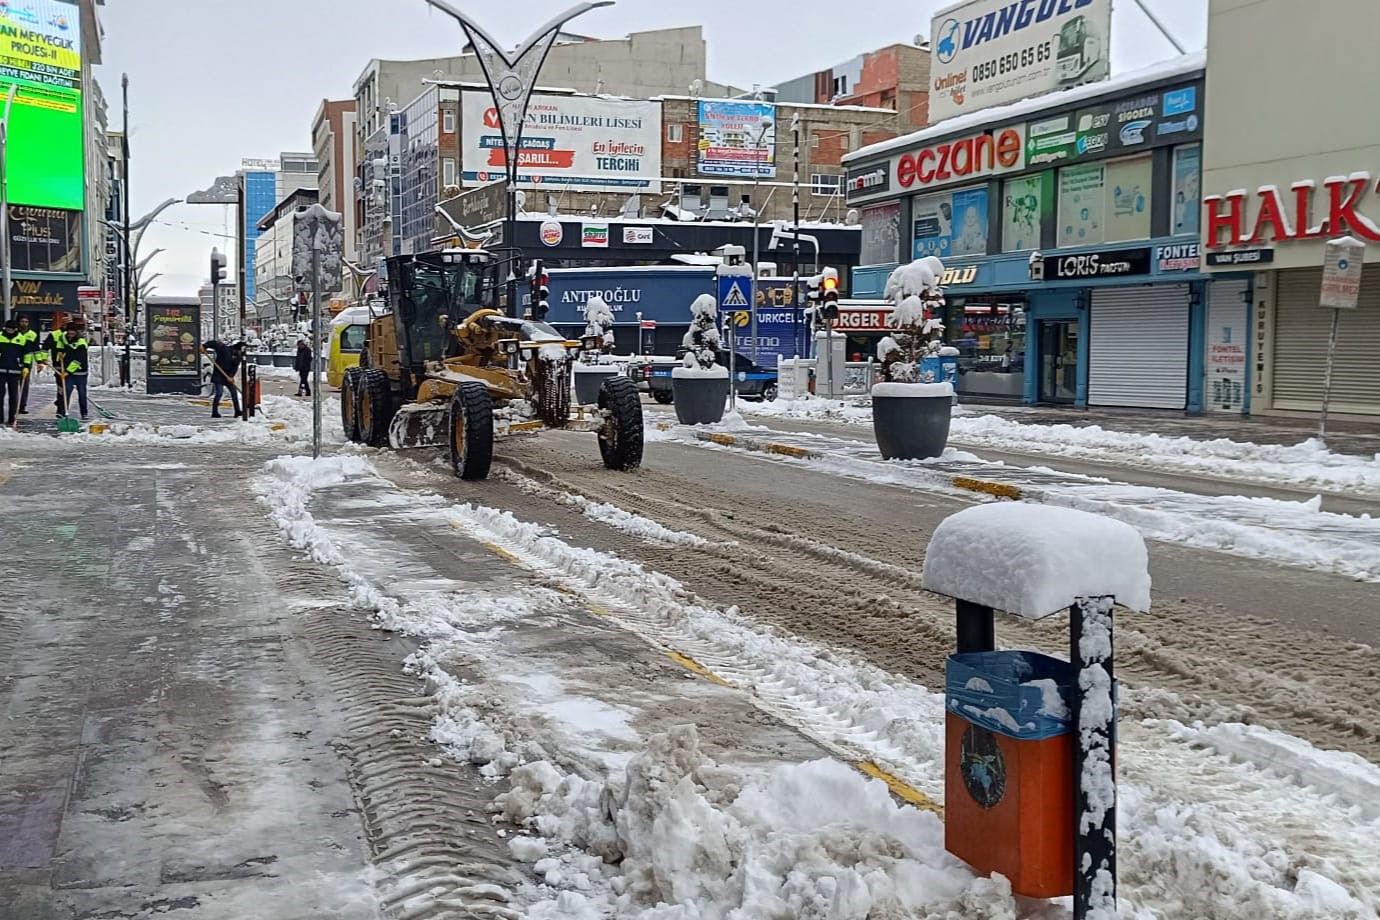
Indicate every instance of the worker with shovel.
{"type": "Point", "coordinates": [73, 366]}
{"type": "Point", "coordinates": [225, 361]}
{"type": "Point", "coordinates": [32, 356]}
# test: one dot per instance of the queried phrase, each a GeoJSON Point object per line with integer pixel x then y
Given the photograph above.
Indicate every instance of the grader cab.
{"type": "Point", "coordinates": [444, 367]}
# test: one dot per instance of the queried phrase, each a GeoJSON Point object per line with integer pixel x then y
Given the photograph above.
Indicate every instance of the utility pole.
{"type": "Point", "coordinates": [797, 301]}
{"type": "Point", "coordinates": [765, 126]}
{"type": "Point", "coordinates": [126, 368]}
{"type": "Point", "coordinates": [5, 198]}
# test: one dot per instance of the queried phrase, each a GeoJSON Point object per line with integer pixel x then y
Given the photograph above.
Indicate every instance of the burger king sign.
{"type": "Point", "coordinates": [552, 233]}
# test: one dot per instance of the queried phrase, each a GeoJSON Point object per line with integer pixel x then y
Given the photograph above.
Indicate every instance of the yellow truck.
{"type": "Point", "coordinates": [345, 342]}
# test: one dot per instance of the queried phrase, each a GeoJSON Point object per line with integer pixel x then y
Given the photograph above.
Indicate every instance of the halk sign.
{"type": "Point", "coordinates": [1304, 212]}
{"type": "Point", "coordinates": [573, 141]}
{"type": "Point", "coordinates": [962, 160]}
{"type": "Point", "coordinates": [990, 52]}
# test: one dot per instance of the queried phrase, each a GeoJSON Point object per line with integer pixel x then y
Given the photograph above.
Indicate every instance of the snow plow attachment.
{"type": "Point", "coordinates": [419, 425]}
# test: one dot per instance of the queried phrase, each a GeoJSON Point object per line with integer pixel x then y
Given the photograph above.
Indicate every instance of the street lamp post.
{"type": "Point", "coordinates": [766, 125]}
{"type": "Point", "coordinates": [126, 367]}
{"type": "Point", "coordinates": [797, 302]}
{"type": "Point", "coordinates": [5, 197]}
{"type": "Point", "coordinates": [511, 77]}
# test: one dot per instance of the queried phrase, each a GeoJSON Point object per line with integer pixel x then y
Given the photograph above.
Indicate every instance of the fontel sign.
{"type": "Point", "coordinates": [968, 158]}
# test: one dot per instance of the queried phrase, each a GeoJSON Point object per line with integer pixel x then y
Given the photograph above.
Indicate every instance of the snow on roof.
{"type": "Point", "coordinates": [1033, 560]}
{"type": "Point", "coordinates": [618, 219]}
{"type": "Point", "coordinates": [1174, 67]}
{"type": "Point", "coordinates": [779, 105]}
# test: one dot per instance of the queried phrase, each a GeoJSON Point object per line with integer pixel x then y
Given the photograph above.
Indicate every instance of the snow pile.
{"type": "Point", "coordinates": [1308, 464]}
{"type": "Point", "coordinates": [692, 839]}
{"type": "Point", "coordinates": [1036, 559]}
{"type": "Point", "coordinates": [944, 390]}
{"type": "Point", "coordinates": [702, 341]}
{"type": "Point", "coordinates": [713, 372]}
{"type": "Point", "coordinates": [811, 408]}
{"type": "Point", "coordinates": [599, 320]}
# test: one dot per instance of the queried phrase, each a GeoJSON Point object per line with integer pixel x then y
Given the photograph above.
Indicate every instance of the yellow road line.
{"type": "Point", "coordinates": [727, 440]}
{"type": "Point", "coordinates": [690, 664]}
{"type": "Point", "coordinates": [996, 489]}
{"type": "Point", "coordinates": [526, 426]}
{"type": "Point", "coordinates": [899, 788]}
{"type": "Point", "coordinates": [500, 551]}
{"type": "Point", "coordinates": [788, 450]}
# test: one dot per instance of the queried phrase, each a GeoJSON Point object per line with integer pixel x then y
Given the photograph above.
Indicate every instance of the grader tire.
{"type": "Point", "coordinates": [471, 431]}
{"type": "Point", "coordinates": [349, 404]}
{"type": "Point", "coordinates": [375, 411]}
{"type": "Point", "coordinates": [620, 442]}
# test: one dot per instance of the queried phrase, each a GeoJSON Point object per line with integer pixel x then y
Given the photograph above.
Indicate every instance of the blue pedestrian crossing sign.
{"type": "Point", "coordinates": [733, 291]}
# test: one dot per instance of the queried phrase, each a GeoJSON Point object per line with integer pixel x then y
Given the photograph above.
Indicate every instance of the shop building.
{"type": "Point", "coordinates": [1069, 227]}
{"type": "Point", "coordinates": [1277, 186]}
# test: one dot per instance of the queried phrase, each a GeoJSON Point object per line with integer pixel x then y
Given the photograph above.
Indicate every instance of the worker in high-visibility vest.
{"type": "Point", "coordinates": [31, 358]}
{"type": "Point", "coordinates": [11, 369]}
{"type": "Point", "coordinates": [73, 371]}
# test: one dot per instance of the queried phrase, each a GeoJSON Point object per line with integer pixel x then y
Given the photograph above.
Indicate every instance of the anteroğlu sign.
{"type": "Point", "coordinates": [989, 52]}
{"type": "Point", "coordinates": [568, 141]}
{"type": "Point", "coordinates": [1112, 263]}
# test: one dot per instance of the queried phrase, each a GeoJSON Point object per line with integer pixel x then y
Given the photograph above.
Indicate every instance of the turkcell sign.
{"type": "Point", "coordinates": [990, 52]}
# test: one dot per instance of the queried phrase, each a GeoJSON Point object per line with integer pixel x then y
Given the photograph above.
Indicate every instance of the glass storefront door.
{"type": "Point", "coordinates": [1058, 361]}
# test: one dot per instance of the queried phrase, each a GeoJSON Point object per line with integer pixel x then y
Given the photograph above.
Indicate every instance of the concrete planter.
{"type": "Point", "coordinates": [911, 420]}
{"type": "Point", "coordinates": [263, 358]}
{"type": "Point", "coordinates": [588, 380]}
{"type": "Point", "coordinates": [700, 398]}
{"type": "Point", "coordinates": [283, 359]}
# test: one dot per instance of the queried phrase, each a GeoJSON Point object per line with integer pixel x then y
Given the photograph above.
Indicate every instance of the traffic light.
{"type": "Point", "coordinates": [541, 292]}
{"type": "Point", "coordinates": [217, 266]}
{"type": "Point", "coordinates": [829, 308]}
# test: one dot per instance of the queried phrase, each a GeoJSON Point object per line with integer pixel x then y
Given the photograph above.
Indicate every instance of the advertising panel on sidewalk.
{"type": "Point", "coordinates": [174, 338]}
{"type": "Point", "coordinates": [991, 52]}
{"type": "Point", "coordinates": [568, 141]}
{"type": "Point", "coordinates": [41, 54]}
{"type": "Point", "coordinates": [737, 139]}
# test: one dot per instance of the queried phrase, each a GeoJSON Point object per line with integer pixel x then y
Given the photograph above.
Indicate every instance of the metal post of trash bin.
{"type": "Point", "coordinates": [1092, 713]}
{"type": "Point", "coordinates": [976, 628]}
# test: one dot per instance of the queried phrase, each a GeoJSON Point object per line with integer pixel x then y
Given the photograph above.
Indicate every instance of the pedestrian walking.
{"type": "Point", "coordinates": [32, 357]}
{"type": "Point", "coordinates": [72, 373]}
{"type": "Point", "coordinates": [302, 363]}
{"type": "Point", "coordinates": [225, 361]}
{"type": "Point", "coordinates": [11, 369]}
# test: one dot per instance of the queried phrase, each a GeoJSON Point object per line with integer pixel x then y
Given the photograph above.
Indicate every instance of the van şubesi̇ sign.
{"type": "Point", "coordinates": [569, 141]}
{"type": "Point", "coordinates": [991, 52]}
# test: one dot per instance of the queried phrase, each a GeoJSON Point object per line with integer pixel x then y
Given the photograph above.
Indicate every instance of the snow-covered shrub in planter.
{"type": "Point", "coordinates": [911, 408]}
{"type": "Point", "coordinates": [700, 388]}
{"type": "Point", "coordinates": [589, 377]}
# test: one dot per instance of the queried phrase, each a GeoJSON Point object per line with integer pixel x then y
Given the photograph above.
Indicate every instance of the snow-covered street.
{"type": "Point", "coordinates": [707, 689]}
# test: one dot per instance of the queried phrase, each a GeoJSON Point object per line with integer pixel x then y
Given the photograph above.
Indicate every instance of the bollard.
{"type": "Point", "coordinates": [1030, 757]}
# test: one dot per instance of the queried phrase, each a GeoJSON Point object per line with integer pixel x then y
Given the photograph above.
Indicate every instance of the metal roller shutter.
{"type": "Point", "coordinates": [1300, 358]}
{"type": "Point", "coordinates": [1138, 347]}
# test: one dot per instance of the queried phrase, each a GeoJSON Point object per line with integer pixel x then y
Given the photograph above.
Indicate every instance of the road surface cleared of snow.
{"type": "Point", "coordinates": [1215, 820]}
{"type": "Point", "coordinates": [1306, 465]}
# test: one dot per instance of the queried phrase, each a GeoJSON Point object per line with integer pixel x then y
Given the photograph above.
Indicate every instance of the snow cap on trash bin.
{"type": "Point", "coordinates": [1034, 560]}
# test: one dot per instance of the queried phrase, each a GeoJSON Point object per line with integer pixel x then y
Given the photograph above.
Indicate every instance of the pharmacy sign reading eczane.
{"type": "Point", "coordinates": [991, 52]}
{"type": "Point", "coordinates": [567, 141]}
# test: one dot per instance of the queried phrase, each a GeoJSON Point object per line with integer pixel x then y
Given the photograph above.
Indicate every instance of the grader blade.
{"type": "Point", "coordinates": [419, 425]}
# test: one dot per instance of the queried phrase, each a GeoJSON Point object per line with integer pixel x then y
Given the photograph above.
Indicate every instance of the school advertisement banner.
{"type": "Point", "coordinates": [737, 139]}
{"type": "Point", "coordinates": [568, 142]}
{"type": "Point", "coordinates": [40, 53]}
{"type": "Point", "coordinates": [991, 52]}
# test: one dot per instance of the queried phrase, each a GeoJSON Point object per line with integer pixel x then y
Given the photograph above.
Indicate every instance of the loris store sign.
{"type": "Point", "coordinates": [991, 153]}
{"type": "Point", "coordinates": [1304, 212]}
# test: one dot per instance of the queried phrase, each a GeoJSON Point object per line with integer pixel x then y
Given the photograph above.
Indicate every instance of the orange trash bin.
{"type": "Point", "coordinates": [1008, 778]}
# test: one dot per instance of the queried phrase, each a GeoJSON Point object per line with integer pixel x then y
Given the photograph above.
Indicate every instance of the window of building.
{"type": "Point", "coordinates": [675, 133]}
{"type": "Point", "coordinates": [1105, 202]}
{"type": "Point", "coordinates": [989, 332]}
{"type": "Point", "coordinates": [1188, 165]}
{"type": "Point", "coordinates": [825, 184]}
{"type": "Point", "coordinates": [1025, 201]}
{"type": "Point", "coordinates": [841, 86]}
{"type": "Point", "coordinates": [448, 171]}
{"type": "Point", "coordinates": [448, 121]}
{"type": "Point", "coordinates": [949, 223]}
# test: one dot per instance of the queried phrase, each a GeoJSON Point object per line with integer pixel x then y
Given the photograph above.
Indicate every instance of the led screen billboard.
{"type": "Point", "coordinates": [40, 52]}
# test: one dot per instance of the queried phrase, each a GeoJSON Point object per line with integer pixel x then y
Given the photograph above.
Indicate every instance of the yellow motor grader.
{"type": "Point", "coordinates": [444, 366]}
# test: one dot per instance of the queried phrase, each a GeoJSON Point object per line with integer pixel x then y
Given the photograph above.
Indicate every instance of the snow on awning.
{"type": "Point", "coordinates": [1034, 560]}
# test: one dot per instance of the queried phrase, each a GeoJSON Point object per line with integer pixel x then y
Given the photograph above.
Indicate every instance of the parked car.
{"type": "Point", "coordinates": [754, 380]}
{"type": "Point", "coordinates": [640, 370]}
